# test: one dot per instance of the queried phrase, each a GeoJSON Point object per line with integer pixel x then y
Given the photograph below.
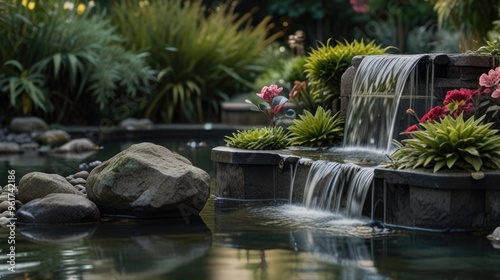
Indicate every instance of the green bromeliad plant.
{"type": "Point", "coordinates": [264, 138]}
{"type": "Point", "coordinates": [316, 130]}
{"type": "Point", "coordinates": [450, 143]}
{"type": "Point", "coordinates": [267, 138]}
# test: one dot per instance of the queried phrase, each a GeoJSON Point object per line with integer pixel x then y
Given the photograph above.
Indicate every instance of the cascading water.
{"type": "Point", "coordinates": [337, 187]}
{"type": "Point", "coordinates": [378, 86]}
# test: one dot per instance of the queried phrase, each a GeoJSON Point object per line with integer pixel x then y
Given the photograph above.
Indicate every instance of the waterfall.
{"type": "Point", "coordinates": [379, 83]}
{"type": "Point", "coordinates": [337, 187]}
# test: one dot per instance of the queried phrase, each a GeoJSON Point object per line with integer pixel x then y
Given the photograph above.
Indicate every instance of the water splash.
{"type": "Point", "coordinates": [378, 85]}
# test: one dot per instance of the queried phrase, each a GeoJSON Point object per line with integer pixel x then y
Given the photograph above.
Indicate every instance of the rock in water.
{"type": "Point", "coordinates": [148, 181]}
{"type": "Point", "coordinates": [28, 125]}
{"type": "Point", "coordinates": [54, 138]}
{"type": "Point", "coordinates": [59, 208]}
{"type": "Point", "coordinates": [80, 145]}
{"type": "Point", "coordinates": [38, 184]}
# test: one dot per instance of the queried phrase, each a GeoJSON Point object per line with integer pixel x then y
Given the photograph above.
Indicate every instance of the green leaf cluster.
{"type": "Point", "coordinates": [264, 138]}
{"type": "Point", "coordinates": [67, 66]}
{"type": "Point", "coordinates": [325, 65]}
{"type": "Point", "coordinates": [203, 55]}
{"type": "Point", "coordinates": [316, 130]}
{"type": "Point", "coordinates": [471, 18]}
{"type": "Point", "coordinates": [451, 143]}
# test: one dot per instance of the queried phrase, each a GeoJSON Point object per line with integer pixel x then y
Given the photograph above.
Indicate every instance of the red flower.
{"type": "Point", "coordinates": [410, 129]}
{"type": "Point", "coordinates": [437, 112]}
{"type": "Point", "coordinates": [456, 95]}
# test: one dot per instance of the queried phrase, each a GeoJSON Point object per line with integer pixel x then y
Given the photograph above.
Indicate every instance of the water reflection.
{"type": "Point", "coordinates": [134, 249]}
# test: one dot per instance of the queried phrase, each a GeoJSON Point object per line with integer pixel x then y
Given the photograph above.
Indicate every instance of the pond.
{"type": "Point", "coordinates": [242, 241]}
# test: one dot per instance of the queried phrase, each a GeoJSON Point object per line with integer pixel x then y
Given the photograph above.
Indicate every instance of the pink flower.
{"type": "Point", "coordinates": [360, 6]}
{"type": "Point", "coordinates": [496, 93]}
{"type": "Point", "coordinates": [492, 79]}
{"type": "Point", "coordinates": [267, 93]}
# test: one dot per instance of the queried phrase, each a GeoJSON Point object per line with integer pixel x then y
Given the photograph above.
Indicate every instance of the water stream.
{"type": "Point", "coordinates": [337, 187]}
{"type": "Point", "coordinates": [379, 84]}
{"type": "Point", "coordinates": [378, 87]}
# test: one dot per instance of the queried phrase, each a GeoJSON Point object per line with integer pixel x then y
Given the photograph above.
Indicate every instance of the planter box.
{"type": "Point", "coordinates": [252, 175]}
{"type": "Point", "coordinates": [452, 201]}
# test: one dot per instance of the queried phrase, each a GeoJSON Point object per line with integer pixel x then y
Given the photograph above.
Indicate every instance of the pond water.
{"type": "Point", "coordinates": [245, 241]}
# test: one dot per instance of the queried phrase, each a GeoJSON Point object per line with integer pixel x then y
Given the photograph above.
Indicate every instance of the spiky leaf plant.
{"type": "Point", "coordinates": [325, 65]}
{"type": "Point", "coordinates": [451, 143]}
{"type": "Point", "coordinates": [316, 130]}
{"type": "Point", "coordinates": [265, 138]}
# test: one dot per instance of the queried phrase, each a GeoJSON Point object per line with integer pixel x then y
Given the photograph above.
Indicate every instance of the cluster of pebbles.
{"type": "Point", "coordinates": [9, 192]}
{"type": "Point", "coordinates": [79, 179]}
{"type": "Point", "coordinates": [21, 138]}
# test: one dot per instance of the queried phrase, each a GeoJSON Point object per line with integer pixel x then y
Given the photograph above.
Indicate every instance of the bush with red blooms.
{"type": "Point", "coordinates": [484, 101]}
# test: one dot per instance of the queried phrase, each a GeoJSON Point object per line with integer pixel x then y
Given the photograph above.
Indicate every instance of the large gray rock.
{"type": "Point", "coordinates": [27, 125]}
{"type": "Point", "coordinates": [37, 185]}
{"type": "Point", "coordinates": [54, 137]}
{"type": "Point", "coordinates": [59, 208]}
{"type": "Point", "coordinates": [148, 181]}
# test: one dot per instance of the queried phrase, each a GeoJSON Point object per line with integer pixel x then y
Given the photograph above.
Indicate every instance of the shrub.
{"type": "Point", "coordinates": [68, 64]}
{"type": "Point", "coordinates": [264, 138]}
{"type": "Point", "coordinates": [203, 56]}
{"type": "Point", "coordinates": [325, 65]}
{"type": "Point", "coordinates": [450, 143]}
{"type": "Point", "coordinates": [316, 130]}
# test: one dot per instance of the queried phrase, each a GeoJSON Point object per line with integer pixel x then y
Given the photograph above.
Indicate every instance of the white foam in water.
{"type": "Point", "coordinates": [299, 218]}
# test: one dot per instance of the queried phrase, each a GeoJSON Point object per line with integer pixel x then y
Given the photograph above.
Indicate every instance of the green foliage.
{"type": "Point", "coordinates": [316, 130]}
{"type": "Point", "coordinates": [491, 48]}
{"type": "Point", "coordinates": [451, 143]}
{"type": "Point", "coordinates": [77, 61]}
{"type": "Point", "coordinates": [203, 56]}
{"type": "Point", "coordinates": [294, 69]}
{"type": "Point", "coordinates": [472, 18]}
{"type": "Point", "coordinates": [265, 138]}
{"type": "Point", "coordinates": [26, 89]}
{"type": "Point", "coordinates": [326, 64]}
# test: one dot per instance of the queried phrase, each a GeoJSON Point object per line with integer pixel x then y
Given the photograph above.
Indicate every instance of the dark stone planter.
{"type": "Point", "coordinates": [452, 201]}
{"type": "Point", "coordinates": [252, 174]}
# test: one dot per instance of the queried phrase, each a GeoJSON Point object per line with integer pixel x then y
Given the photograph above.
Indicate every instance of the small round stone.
{"type": "Point", "coordinates": [82, 174]}
{"type": "Point", "coordinates": [4, 205]}
{"type": "Point", "coordinates": [80, 181]}
{"type": "Point", "coordinates": [73, 182]}
{"type": "Point", "coordinates": [4, 221]}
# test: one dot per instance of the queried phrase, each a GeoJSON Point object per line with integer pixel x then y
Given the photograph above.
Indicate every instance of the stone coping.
{"type": "Point", "coordinates": [207, 130]}
{"type": "Point", "coordinates": [254, 157]}
{"type": "Point", "coordinates": [441, 180]}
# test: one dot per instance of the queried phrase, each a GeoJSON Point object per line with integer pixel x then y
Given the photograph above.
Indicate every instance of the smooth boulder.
{"type": "Point", "coordinates": [54, 137]}
{"type": "Point", "coordinates": [59, 208]}
{"type": "Point", "coordinates": [38, 184]}
{"type": "Point", "coordinates": [148, 181]}
{"type": "Point", "coordinates": [81, 145]}
{"type": "Point", "coordinates": [27, 125]}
